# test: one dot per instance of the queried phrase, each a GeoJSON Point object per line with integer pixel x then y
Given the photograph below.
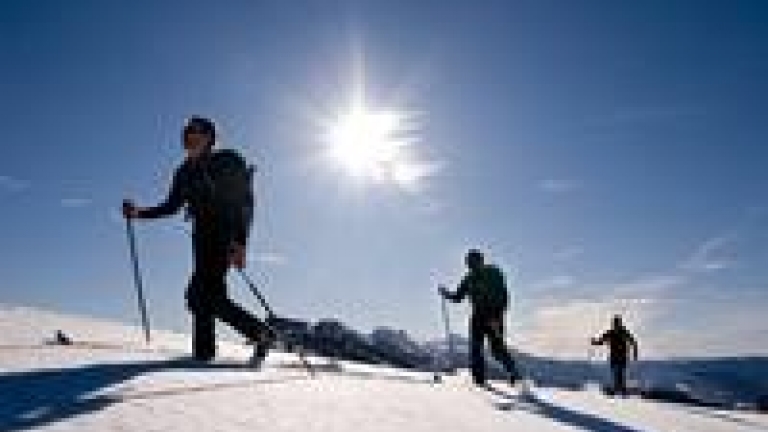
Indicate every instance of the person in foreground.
{"type": "Point", "coordinates": [215, 188]}
{"type": "Point", "coordinates": [486, 288]}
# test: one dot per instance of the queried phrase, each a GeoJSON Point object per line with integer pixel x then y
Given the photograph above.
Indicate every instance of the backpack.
{"type": "Point", "coordinates": [230, 179]}
{"type": "Point", "coordinates": [489, 290]}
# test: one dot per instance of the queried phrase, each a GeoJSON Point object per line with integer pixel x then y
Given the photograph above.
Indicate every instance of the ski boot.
{"type": "Point", "coordinates": [261, 347]}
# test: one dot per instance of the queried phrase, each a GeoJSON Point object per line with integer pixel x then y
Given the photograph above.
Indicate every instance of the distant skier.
{"type": "Point", "coordinates": [487, 291]}
{"type": "Point", "coordinates": [619, 340]}
{"type": "Point", "coordinates": [61, 338]}
{"type": "Point", "coordinates": [215, 188]}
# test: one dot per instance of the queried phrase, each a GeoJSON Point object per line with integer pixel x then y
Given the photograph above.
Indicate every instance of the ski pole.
{"type": "Point", "coordinates": [592, 362]}
{"type": "Point", "coordinates": [137, 276]}
{"type": "Point", "coordinates": [255, 290]}
{"type": "Point", "coordinates": [271, 315]}
{"type": "Point", "coordinates": [635, 372]}
{"type": "Point", "coordinates": [448, 338]}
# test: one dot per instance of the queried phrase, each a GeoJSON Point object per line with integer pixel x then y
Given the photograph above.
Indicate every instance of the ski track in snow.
{"type": "Point", "coordinates": [121, 385]}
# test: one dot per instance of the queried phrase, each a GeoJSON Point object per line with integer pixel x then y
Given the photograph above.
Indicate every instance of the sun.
{"type": "Point", "coordinates": [375, 144]}
{"type": "Point", "coordinates": [372, 144]}
{"type": "Point", "coordinates": [365, 142]}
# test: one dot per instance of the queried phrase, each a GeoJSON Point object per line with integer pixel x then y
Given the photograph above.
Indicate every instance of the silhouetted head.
{"type": "Point", "coordinates": [474, 259]}
{"type": "Point", "coordinates": [198, 136]}
{"type": "Point", "coordinates": [617, 323]}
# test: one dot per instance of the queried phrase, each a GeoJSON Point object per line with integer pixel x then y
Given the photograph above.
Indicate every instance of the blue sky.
{"type": "Point", "coordinates": [609, 156]}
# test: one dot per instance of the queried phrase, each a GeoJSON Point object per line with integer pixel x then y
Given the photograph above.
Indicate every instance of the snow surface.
{"type": "Point", "coordinates": [110, 381]}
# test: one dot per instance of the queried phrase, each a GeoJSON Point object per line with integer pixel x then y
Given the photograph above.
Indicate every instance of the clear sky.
{"type": "Point", "coordinates": [609, 156]}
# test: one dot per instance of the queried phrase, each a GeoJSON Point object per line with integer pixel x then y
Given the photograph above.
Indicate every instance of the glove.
{"type": "Point", "coordinates": [237, 256]}
{"type": "Point", "coordinates": [130, 211]}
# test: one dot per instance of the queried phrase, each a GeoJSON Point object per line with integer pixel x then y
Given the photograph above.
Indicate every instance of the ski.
{"type": "Point", "coordinates": [270, 317]}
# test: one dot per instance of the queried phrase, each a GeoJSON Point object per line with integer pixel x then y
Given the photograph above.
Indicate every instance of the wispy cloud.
{"type": "Point", "coordinates": [738, 329]}
{"type": "Point", "coordinates": [568, 253]}
{"type": "Point", "coordinates": [433, 207]}
{"type": "Point", "coordinates": [412, 176]}
{"type": "Point", "coordinates": [663, 308]}
{"type": "Point", "coordinates": [659, 307]}
{"type": "Point", "coordinates": [650, 285]}
{"type": "Point", "coordinates": [563, 328]}
{"type": "Point", "coordinates": [75, 202]}
{"type": "Point", "coordinates": [270, 258]}
{"type": "Point", "coordinates": [558, 186]}
{"type": "Point", "coordinates": [664, 327]}
{"type": "Point", "coordinates": [554, 282]}
{"type": "Point", "coordinates": [712, 255]}
{"type": "Point", "coordinates": [12, 184]}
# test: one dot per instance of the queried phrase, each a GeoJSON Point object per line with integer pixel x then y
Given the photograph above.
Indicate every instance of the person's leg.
{"type": "Point", "coordinates": [203, 324]}
{"type": "Point", "coordinates": [622, 378]}
{"type": "Point", "coordinates": [477, 342]}
{"type": "Point", "coordinates": [214, 276]}
{"type": "Point", "coordinates": [202, 292]}
{"type": "Point", "coordinates": [237, 318]}
{"type": "Point", "coordinates": [204, 336]}
{"type": "Point", "coordinates": [617, 370]}
{"type": "Point", "coordinates": [499, 349]}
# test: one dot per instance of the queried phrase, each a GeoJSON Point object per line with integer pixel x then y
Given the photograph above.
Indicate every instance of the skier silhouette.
{"type": "Point", "coordinates": [202, 183]}
{"type": "Point", "coordinates": [619, 341]}
{"type": "Point", "coordinates": [487, 291]}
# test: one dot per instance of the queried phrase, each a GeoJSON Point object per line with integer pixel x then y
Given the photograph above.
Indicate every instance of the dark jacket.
{"type": "Point", "coordinates": [619, 341]}
{"type": "Point", "coordinates": [486, 289]}
{"type": "Point", "coordinates": [202, 186]}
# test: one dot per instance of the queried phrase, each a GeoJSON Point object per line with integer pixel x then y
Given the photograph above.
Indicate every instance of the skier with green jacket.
{"type": "Point", "coordinates": [487, 291]}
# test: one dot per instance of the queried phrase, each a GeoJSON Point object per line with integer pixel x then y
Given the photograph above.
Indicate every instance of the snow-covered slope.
{"type": "Point", "coordinates": [115, 383]}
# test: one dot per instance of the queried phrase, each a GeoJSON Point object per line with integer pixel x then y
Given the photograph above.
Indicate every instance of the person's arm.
{"type": "Point", "coordinates": [600, 340]}
{"type": "Point", "coordinates": [500, 280]}
{"type": "Point", "coordinates": [633, 343]}
{"type": "Point", "coordinates": [243, 219]}
{"type": "Point", "coordinates": [172, 204]}
{"type": "Point", "coordinates": [241, 222]}
{"type": "Point", "coordinates": [460, 292]}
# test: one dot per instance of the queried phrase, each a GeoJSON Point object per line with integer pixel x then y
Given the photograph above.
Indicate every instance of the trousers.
{"type": "Point", "coordinates": [207, 298]}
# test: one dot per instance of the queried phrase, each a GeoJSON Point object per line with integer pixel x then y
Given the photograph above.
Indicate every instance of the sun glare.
{"type": "Point", "coordinates": [373, 144]}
